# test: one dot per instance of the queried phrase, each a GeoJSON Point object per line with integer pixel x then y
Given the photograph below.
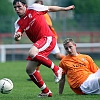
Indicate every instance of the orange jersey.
{"type": "Point", "coordinates": [49, 22]}
{"type": "Point", "coordinates": [78, 68]}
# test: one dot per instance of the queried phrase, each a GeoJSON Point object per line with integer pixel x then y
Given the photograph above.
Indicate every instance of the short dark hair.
{"type": "Point", "coordinates": [22, 1]}
{"type": "Point", "coordinates": [37, 1]}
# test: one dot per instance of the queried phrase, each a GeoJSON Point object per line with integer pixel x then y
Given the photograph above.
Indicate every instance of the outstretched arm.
{"type": "Point", "coordinates": [57, 8]}
{"type": "Point", "coordinates": [61, 84]}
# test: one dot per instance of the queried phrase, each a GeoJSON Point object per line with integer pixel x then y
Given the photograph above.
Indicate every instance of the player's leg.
{"type": "Point", "coordinates": [99, 80]}
{"type": "Point", "coordinates": [97, 74]}
{"type": "Point", "coordinates": [37, 69]}
{"type": "Point", "coordinates": [41, 50]}
{"type": "Point", "coordinates": [56, 53]}
{"type": "Point", "coordinates": [36, 78]}
{"type": "Point", "coordinates": [91, 85]}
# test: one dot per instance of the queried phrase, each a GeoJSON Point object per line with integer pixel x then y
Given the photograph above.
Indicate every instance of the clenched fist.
{"type": "Point", "coordinates": [17, 36]}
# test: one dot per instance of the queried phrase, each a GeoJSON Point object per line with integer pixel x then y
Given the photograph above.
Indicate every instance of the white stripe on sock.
{"type": "Point", "coordinates": [52, 66]}
{"type": "Point", "coordinates": [43, 87]}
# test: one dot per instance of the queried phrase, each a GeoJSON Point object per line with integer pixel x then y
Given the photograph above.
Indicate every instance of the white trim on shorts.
{"type": "Point", "coordinates": [91, 85]}
{"type": "Point", "coordinates": [47, 44]}
{"type": "Point", "coordinates": [55, 50]}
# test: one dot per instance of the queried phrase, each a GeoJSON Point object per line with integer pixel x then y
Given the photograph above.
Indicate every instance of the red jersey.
{"type": "Point", "coordinates": [33, 23]}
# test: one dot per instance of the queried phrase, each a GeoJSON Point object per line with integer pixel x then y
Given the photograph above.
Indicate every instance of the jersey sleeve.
{"type": "Point", "coordinates": [92, 66]}
{"type": "Point", "coordinates": [61, 64]}
{"type": "Point", "coordinates": [38, 7]}
{"type": "Point", "coordinates": [17, 27]}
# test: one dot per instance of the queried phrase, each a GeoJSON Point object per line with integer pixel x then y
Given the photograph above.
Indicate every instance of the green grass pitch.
{"type": "Point", "coordinates": [26, 90]}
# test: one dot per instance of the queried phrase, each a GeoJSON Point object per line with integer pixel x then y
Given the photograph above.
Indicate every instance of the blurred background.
{"type": "Point", "coordinates": [82, 24]}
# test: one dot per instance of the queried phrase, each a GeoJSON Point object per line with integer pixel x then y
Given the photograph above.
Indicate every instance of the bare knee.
{"type": "Point", "coordinates": [28, 70]}
{"type": "Point", "coordinates": [33, 51]}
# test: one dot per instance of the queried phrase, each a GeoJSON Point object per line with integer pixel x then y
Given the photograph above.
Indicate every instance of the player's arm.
{"type": "Point", "coordinates": [61, 84]}
{"type": "Point", "coordinates": [57, 8]}
{"type": "Point", "coordinates": [18, 32]}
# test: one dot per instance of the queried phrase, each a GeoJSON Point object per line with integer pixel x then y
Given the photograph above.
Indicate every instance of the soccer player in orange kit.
{"type": "Point", "coordinates": [82, 73]}
{"type": "Point", "coordinates": [31, 21]}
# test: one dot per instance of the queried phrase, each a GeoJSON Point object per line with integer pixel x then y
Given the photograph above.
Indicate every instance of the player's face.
{"type": "Point", "coordinates": [20, 9]}
{"type": "Point", "coordinates": [71, 49]}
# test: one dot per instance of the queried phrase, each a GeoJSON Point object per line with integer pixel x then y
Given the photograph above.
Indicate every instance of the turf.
{"type": "Point", "coordinates": [26, 90]}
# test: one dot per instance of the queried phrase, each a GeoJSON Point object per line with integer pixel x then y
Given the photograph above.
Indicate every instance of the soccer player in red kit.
{"type": "Point", "coordinates": [32, 22]}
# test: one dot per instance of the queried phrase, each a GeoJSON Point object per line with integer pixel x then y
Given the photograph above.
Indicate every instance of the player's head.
{"type": "Point", "coordinates": [20, 7]}
{"type": "Point", "coordinates": [22, 1]}
{"type": "Point", "coordinates": [70, 46]}
{"type": "Point", "coordinates": [39, 1]}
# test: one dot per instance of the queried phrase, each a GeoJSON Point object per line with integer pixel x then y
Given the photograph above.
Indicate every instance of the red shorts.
{"type": "Point", "coordinates": [45, 46]}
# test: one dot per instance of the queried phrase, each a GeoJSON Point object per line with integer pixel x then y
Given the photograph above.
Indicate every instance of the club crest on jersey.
{"type": "Point", "coordinates": [29, 15]}
{"type": "Point", "coordinates": [83, 59]}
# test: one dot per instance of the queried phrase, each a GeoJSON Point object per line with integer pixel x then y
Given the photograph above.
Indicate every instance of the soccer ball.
{"type": "Point", "coordinates": [6, 86]}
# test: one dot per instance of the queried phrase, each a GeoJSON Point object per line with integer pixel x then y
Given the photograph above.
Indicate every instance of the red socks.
{"type": "Point", "coordinates": [37, 79]}
{"type": "Point", "coordinates": [46, 61]}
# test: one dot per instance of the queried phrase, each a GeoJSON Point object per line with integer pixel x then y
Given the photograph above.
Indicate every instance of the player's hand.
{"type": "Point", "coordinates": [70, 7]}
{"type": "Point", "coordinates": [17, 36]}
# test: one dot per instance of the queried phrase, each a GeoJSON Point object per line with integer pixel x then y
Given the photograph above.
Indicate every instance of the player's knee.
{"type": "Point", "coordinates": [32, 55]}
{"type": "Point", "coordinates": [28, 71]}
{"type": "Point", "coordinates": [31, 67]}
{"type": "Point", "coordinates": [33, 52]}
